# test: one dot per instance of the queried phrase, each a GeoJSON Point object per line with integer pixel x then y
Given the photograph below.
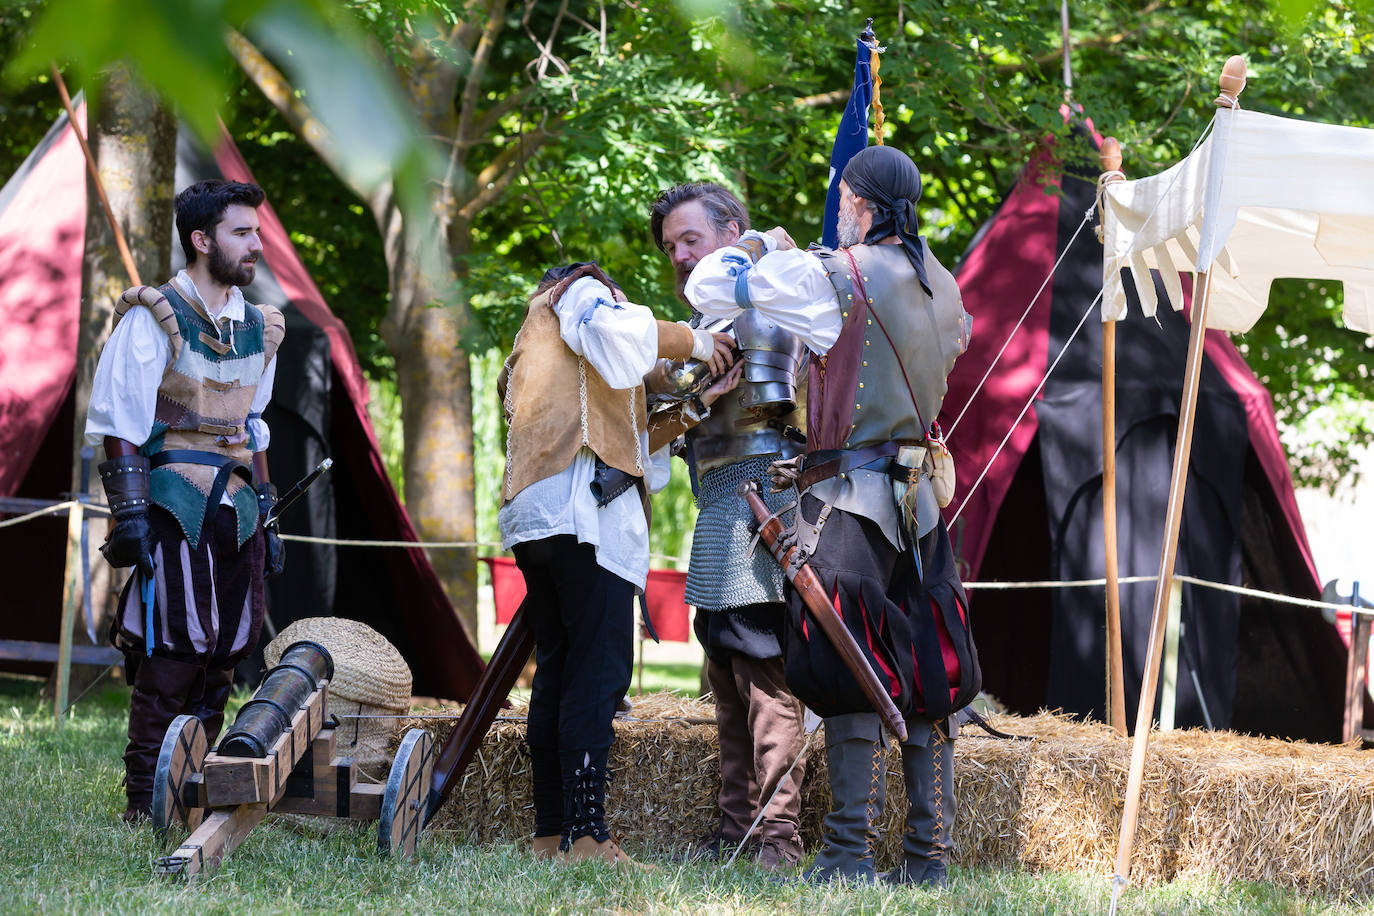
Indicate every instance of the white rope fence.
{"type": "Point", "coordinates": [1190, 580]}
{"type": "Point", "coordinates": [55, 509]}
{"type": "Point", "coordinates": [62, 507]}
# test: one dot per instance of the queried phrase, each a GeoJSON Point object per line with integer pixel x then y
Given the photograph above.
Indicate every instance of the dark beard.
{"type": "Point", "coordinates": [227, 272]}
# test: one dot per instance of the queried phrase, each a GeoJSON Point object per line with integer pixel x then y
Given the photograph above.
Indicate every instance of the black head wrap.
{"type": "Point", "coordinates": [888, 178]}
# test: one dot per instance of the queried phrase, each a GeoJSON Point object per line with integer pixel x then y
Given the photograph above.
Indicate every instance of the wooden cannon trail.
{"type": "Point", "coordinates": [279, 757]}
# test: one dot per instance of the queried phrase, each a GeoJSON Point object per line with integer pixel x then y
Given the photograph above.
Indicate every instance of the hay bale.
{"type": "Point", "coordinates": [370, 679]}
{"type": "Point", "coordinates": [1214, 803]}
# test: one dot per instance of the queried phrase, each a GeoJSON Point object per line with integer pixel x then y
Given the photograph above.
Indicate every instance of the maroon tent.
{"type": "Point", "coordinates": [1262, 666]}
{"type": "Point", "coordinates": [319, 410]}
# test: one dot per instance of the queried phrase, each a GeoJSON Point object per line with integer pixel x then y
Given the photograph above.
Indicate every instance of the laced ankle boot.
{"type": "Point", "coordinates": [928, 772]}
{"type": "Point", "coordinates": [584, 786]}
{"type": "Point", "coordinates": [858, 773]}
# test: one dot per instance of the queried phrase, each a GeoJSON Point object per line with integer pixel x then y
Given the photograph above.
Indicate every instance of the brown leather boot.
{"type": "Point", "coordinates": [546, 847]}
{"type": "Point", "coordinates": [587, 849]}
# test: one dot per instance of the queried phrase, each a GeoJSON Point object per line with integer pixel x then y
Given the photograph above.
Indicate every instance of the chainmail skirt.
{"type": "Point", "coordinates": [722, 574]}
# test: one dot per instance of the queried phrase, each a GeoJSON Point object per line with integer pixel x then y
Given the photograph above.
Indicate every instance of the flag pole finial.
{"type": "Point", "coordinates": [1232, 81]}
{"type": "Point", "coordinates": [1110, 155]}
{"type": "Point", "coordinates": [870, 38]}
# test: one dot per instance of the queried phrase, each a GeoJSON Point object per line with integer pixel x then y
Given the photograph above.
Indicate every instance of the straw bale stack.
{"type": "Point", "coordinates": [1214, 803]}
{"type": "Point", "coordinates": [370, 679]}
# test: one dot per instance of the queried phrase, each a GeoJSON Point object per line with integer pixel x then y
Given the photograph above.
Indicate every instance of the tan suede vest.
{"type": "Point", "coordinates": [556, 403]}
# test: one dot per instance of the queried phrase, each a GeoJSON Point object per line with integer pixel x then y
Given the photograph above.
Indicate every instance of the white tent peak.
{"type": "Point", "coordinates": [1263, 197]}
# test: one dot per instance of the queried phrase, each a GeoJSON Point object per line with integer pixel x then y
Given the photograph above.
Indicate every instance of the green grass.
{"type": "Point", "coordinates": [63, 849]}
{"type": "Point", "coordinates": [683, 678]}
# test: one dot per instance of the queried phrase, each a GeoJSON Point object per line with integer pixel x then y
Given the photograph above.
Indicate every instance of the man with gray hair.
{"type": "Point", "coordinates": [738, 594]}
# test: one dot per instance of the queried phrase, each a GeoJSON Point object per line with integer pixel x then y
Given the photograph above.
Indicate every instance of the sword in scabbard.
{"type": "Point", "coordinates": [827, 617]}
{"type": "Point", "coordinates": [296, 492]}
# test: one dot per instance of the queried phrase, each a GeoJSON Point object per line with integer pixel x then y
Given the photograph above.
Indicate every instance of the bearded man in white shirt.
{"type": "Point", "coordinates": [177, 402]}
{"type": "Point", "coordinates": [581, 460]}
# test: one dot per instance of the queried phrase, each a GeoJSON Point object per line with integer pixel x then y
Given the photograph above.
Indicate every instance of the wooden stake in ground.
{"type": "Point", "coordinates": [1116, 689]}
{"type": "Point", "coordinates": [1232, 82]}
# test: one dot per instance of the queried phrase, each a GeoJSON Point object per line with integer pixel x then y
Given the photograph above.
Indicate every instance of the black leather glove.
{"type": "Point", "coordinates": [274, 559]}
{"type": "Point", "coordinates": [130, 541]}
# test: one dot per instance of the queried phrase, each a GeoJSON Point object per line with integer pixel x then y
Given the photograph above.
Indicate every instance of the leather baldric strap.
{"type": "Point", "coordinates": [823, 465]}
{"type": "Point", "coordinates": [226, 467]}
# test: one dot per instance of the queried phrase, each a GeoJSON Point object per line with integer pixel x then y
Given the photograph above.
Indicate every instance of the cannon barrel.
{"type": "Point", "coordinates": [283, 690]}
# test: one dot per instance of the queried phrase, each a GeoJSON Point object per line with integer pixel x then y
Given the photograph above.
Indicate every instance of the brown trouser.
{"type": "Point", "coordinates": [761, 733]}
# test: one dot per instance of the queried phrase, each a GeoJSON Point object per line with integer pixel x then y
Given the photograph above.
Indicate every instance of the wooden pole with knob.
{"type": "Point", "coordinates": [1232, 82]}
{"type": "Point", "coordinates": [1110, 156]}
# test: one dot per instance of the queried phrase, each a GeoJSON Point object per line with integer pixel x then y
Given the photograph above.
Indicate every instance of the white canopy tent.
{"type": "Point", "coordinates": [1260, 197]}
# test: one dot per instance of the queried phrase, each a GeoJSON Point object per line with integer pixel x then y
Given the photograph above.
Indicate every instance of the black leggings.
{"type": "Point", "coordinates": [583, 622]}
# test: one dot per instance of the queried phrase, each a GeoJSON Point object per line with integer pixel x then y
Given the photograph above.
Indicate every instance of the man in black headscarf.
{"type": "Point", "coordinates": [884, 322]}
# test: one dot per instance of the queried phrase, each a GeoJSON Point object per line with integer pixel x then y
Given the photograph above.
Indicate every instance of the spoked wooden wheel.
{"type": "Point", "coordinates": [407, 794]}
{"type": "Point", "coordinates": [182, 756]}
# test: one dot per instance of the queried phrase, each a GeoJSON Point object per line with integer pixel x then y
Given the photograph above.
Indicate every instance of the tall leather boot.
{"type": "Point", "coordinates": [929, 775]}
{"type": "Point", "coordinates": [858, 770]}
{"type": "Point", "coordinates": [547, 783]}
{"type": "Point", "coordinates": [584, 788]}
{"type": "Point", "coordinates": [160, 693]}
{"type": "Point", "coordinates": [208, 707]}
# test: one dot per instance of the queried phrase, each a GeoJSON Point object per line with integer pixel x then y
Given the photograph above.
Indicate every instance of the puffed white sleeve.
{"type": "Point", "coordinates": [257, 426]}
{"type": "Point", "coordinates": [127, 375]}
{"type": "Point", "coordinates": [788, 287]}
{"type": "Point", "coordinates": [659, 470]}
{"type": "Point", "coordinates": [619, 339]}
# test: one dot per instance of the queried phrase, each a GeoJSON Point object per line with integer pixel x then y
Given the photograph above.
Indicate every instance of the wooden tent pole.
{"type": "Point", "coordinates": [1232, 82]}
{"type": "Point", "coordinates": [73, 586]}
{"type": "Point", "coordinates": [1116, 691]}
{"type": "Point", "coordinates": [125, 255]}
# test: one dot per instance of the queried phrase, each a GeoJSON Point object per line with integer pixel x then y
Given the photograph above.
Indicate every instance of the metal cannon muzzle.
{"type": "Point", "coordinates": [283, 691]}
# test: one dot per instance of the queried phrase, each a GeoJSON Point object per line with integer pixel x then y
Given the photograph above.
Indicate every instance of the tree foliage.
{"type": "Point", "coordinates": [598, 106]}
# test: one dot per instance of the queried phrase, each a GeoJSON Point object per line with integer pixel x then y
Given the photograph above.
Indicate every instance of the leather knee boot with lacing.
{"type": "Point", "coordinates": [858, 773]}
{"type": "Point", "coordinates": [928, 771]}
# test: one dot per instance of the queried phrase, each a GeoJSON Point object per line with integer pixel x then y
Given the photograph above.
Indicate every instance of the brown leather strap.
{"type": "Point", "coordinates": [849, 458]}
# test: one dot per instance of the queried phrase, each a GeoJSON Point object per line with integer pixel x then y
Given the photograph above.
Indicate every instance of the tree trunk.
{"type": "Point", "coordinates": [423, 330]}
{"type": "Point", "coordinates": [133, 139]}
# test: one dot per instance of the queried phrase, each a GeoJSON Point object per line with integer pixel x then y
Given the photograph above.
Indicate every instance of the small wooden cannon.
{"type": "Point", "coordinates": [279, 757]}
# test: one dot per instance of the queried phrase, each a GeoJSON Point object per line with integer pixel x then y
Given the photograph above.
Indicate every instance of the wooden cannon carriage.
{"type": "Point", "coordinates": [278, 757]}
